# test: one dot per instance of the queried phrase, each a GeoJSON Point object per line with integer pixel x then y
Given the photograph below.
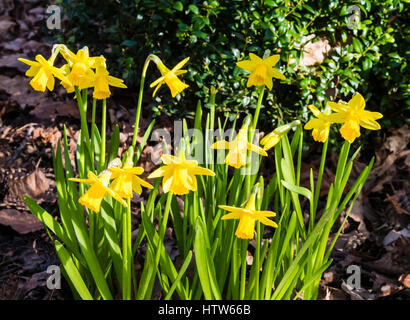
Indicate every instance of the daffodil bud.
{"type": "Point", "coordinates": [247, 121]}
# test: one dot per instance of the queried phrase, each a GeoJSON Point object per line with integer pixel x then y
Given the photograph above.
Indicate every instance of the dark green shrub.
{"type": "Point", "coordinates": [371, 58]}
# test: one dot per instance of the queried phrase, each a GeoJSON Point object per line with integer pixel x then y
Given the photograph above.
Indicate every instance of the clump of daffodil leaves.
{"type": "Point", "coordinates": [210, 192]}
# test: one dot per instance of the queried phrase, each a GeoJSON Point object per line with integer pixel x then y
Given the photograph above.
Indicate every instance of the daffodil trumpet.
{"type": "Point", "coordinates": [103, 132]}
{"type": "Point", "coordinates": [238, 147]}
{"type": "Point", "coordinates": [179, 174]}
{"type": "Point", "coordinates": [248, 216]}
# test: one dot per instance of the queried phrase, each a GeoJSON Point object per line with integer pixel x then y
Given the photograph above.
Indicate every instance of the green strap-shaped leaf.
{"type": "Point", "coordinates": [180, 274]}
{"type": "Point", "coordinates": [96, 140]}
{"type": "Point", "coordinates": [114, 144]}
{"type": "Point", "coordinates": [54, 226]}
{"type": "Point", "coordinates": [74, 275]}
{"type": "Point", "coordinates": [205, 267]}
{"type": "Point", "coordinates": [299, 190]}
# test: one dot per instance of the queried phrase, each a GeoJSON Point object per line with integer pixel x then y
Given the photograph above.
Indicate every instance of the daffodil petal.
{"type": "Point", "coordinates": [180, 64]}
{"type": "Point", "coordinates": [231, 209]}
{"type": "Point", "coordinates": [338, 117]}
{"type": "Point", "coordinates": [256, 149]}
{"type": "Point", "coordinates": [370, 124]}
{"type": "Point", "coordinates": [371, 115]}
{"type": "Point", "coordinates": [357, 102]}
{"type": "Point", "coordinates": [202, 171]}
{"type": "Point", "coordinates": [168, 159]}
{"type": "Point", "coordinates": [116, 82]}
{"type": "Point", "coordinates": [255, 58]}
{"type": "Point", "coordinates": [277, 74]}
{"type": "Point", "coordinates": [153, 84]}
{"type": "Point", "coordinates": [272, 60]}
{"type": "Point", "coordinates": [178, 72]}
{"type": "Point", "coordinates": [314, 110]}
{"type": "Point", "coordinates": [269, 83]}
{"type": "Point", "coordinates": [312, 123]}
{"type": "Point", "coordinates": [136, 187]}
{"type": "Point", "coordinates": [143, 182]}
{"type": "Point", "coordinates": [166, 183]}
{"type": "Point", "coordinates": [267, 222]}
{"type": "Point", "coordinates": [116, 197]}
{"type": "Point", "coordinates": [337, 107]}
{"type": "Point", "coordinates": [265, 213]}
{"type": "Point", "coordinates": [32, 71]}
{"type": "Point", "coordinates": [87, 181]}
{"type": "Point", "coordinates": [231, 215]}
{"type": "Point", "coordinates": [158, 173]}
{"type": "Point", "coordinates": [222, 144]}
{"type": "Point", "coordinates": [29, 62]}
{"type": "Point", "coordinates": [247, 65]}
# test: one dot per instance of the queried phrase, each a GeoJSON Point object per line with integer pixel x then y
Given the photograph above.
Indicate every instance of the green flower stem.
{"type": "Point", "coordinates": [164, 220]}
{"type": "Point", "coordinates": [300, 150]}
{"type": "Point", "coordinates": [258, 107]}
{"type": "Point", "coordinates": [92, 132]}
{"type": "Point", "coordinates": [91, 227]}
{"type": "Point", "coordinates": [243, 269]}
{"type": "Point", "coordinates": [150, 58]}
{"type": "Point", "coordinates": [162, 228]}
{"type": "Point", "coordinates": [319, 180]}
{"type": "Point", "coordinates": [82, 106]}
{"type": "Point", "coordinates": [103, 133]}
{"type": "Point", "coordinates": [126, 253]}
{"type": "Point", "coordinates": [55, 51]}
{"type": "Point", "coordinates": [251, 134]}
{"type": "Point", "coordinates": [257, 259]}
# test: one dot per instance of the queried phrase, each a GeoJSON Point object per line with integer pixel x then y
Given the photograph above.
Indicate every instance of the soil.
{"type": "Point", "coordinates": [375, 238]}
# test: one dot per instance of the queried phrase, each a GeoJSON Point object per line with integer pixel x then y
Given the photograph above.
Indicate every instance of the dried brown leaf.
{"type": "Point", "coordinates": [20, 221]}
{"type": "Point", "coordinates": [34, 185]}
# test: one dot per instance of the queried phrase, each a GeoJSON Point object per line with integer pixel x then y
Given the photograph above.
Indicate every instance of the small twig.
{"type": "Point", "coordinates": [396, 206]}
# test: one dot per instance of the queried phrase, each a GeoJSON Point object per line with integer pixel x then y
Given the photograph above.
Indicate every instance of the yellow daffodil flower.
{"type": "Point", "coordinates": [99, 189]}
{"type": "Point", "coordinates": [353, 116]}
{"type": "Point", "coordinates": [43, 73]}
{"type": "Point", "coordinates": [81, 64]}
{"type": "Point", "coordinates": [247, 217]}
{"type": "Point", "coordinates": [101, 80]}
{"type": "Point", "coordinates": [238, 148]}
{"type": "Point", "coordinates": [262, 70]}
{"type": "Point", "coordinates": [179, 174]}
{"type": "Point", "coordinates": [320, 125]}
{"type": "Point", "coordinates": [126, 180]}
{"type": "Point", "coordinates": [272, 138]}
{"type": "Point", "coordinates": [170, 77]}
{"type": "Point", "coordinates": [65, 69]}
